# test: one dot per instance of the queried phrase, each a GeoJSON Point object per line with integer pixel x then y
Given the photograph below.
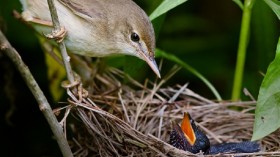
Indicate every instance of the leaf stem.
{"type": "Point", "coordinates": [241, 53]}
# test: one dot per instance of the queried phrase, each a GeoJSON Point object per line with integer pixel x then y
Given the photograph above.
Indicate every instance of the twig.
{"type": "Point", "coordinates": [44, 106]}
{"type": "Point", "coordinates": [62, 47]}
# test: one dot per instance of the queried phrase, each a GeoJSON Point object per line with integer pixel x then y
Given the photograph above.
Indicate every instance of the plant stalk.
{"type": "Point", "coordinates": [242, 47]}
{"type": "Point", "coordinates": [62, 47]}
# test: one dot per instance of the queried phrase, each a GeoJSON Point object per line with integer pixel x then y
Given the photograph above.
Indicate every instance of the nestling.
{"type": "Point", "coordinates": [98, 28]}
{"type": "Point", "coordinates": [190, 138]}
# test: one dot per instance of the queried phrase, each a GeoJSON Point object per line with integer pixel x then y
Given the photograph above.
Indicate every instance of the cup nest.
{"type": "Point", "coordinates": [134, 119]}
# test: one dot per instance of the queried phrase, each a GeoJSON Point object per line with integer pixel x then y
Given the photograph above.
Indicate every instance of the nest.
{"type": "Point", "coordinates": [134, 119]}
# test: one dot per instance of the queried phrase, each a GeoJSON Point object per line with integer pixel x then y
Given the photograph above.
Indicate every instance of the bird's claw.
{"type": "Point", "coordinates": [57, 35]}
{"type": "Point", "coordinates": [80, 92]}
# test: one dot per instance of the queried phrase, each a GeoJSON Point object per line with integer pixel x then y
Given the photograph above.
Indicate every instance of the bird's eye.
{"type": "Point", "coordinates": [135, 37]}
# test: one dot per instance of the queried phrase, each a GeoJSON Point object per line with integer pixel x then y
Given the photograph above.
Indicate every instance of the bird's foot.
{"type": "Point", "coordinates": [74, 90]}
{"type": "Point", "coordinates": [57, 35]}
{"type": "Point", "coordinates": [79, 92]}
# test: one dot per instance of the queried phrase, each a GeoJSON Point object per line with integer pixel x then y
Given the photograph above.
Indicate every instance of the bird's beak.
{"type": "Point", "coordinates": [152, 63]}
{"type": "Point", "coordinates": [187, 129]}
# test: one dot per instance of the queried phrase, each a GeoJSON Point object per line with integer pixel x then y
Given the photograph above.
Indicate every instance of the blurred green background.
{"type": "Point", "coordinates": [203, 33]}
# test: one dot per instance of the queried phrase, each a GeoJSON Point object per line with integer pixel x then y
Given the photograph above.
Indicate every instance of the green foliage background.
{"type": "Point", "coordinates": [204, 34]}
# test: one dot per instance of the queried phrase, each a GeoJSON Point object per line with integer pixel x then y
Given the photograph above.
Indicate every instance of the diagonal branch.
{"type": "Point", "coordinates": [44, 106]}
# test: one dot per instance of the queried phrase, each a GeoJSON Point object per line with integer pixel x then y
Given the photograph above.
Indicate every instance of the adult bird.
{"type": "Point", "coordinates": [98, 28]}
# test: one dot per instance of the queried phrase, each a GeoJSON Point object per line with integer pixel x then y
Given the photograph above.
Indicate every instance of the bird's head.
{"type": "Point", "coordinates": [135, 34]}
{"type": "Point", "coordinates": [188, 137]}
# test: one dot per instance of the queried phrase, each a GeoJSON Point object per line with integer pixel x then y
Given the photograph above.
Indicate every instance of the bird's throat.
{"type": "Point", "coordinates": [188, 130]}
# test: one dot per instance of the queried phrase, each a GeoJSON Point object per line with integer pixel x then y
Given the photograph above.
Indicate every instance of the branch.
{"type": "Point", "coordinates": [61, 45]}
{"type": "Point", "coordinates": [44, 106]}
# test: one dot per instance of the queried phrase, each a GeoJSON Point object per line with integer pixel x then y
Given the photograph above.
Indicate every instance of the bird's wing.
{"type": "Point", "coordinates": [90, 10]}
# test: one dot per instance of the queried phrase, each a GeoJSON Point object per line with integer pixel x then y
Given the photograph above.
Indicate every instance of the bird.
{"type": "Point", "coordinates": [190, 138]}
{"type": "Point", "coordinates": [98, 28]}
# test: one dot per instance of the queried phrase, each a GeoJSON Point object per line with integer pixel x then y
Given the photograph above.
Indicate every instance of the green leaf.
{"type": "Point", "coordinates": [275, 6]}
{"type": "Point", "coordinates": [164, 7]}
{"type": "Point", "coordinates": [160, 53]}
{"type": "Point", "coordinates": [239, 3]}
{"type": "Point", "coordinates": [267, 114]}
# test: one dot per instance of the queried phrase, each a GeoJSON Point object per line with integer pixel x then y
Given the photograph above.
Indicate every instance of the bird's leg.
{"type": "Point", "coordinates": [27, 17]}
{"type": "Point", "coordinates": [38, 21]}
{"type": "Point", "coordinates": [82, 93]}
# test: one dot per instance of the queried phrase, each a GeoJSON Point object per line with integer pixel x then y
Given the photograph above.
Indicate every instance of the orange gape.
{"type": "Point", "coordinates": [188, 130]}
